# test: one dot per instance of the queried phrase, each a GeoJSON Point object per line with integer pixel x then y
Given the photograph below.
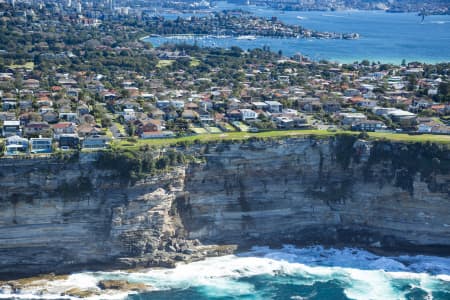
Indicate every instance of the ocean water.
{"type": "Point", "coordinates": [385, 37]}
{"type": "Point", "coordinates": [286, 273]}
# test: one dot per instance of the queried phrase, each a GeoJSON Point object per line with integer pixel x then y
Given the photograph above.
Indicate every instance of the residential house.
{"type": "Point", "coordinates": [234, 115]}
{"type": "Point", "coordinates": [248, 114]}
{"type": "Point", "coordinates": [368, 125]}
{"type": "Point", "coordinates": [71, 141]}
{"type": "Point", "coordinates": [7, 116]}
{"type": "Point", "coordinates": [157, 114]}
{"type": "Point", "coordinates": [163, 104]}
{"type": "Point", "coordinates": [11, 128]}
{"type": "Point", "coordinates": [351, 92]}
{"type": "Point", "coordinates": [25, 105]}
{"type": "Point", "coordinates": [83, 109]}
{"type": "Point", "coordinates": [331, 107]}
{"type": "Point", "coordinates": [31, 84]}
{"type": "Point", "coordinates": [284, 122]}
{"type": "Point", "coordinates": [44, 102]}
{"type": "Point", "coordinates": [9, 104]}
{"type": "Point", "coordinates": [129, 114]}
{"type": "Point", "coordinates": [402, 117]}
{"type": "Point", "coordinates": [350, 118]}
{"type": "Point", "coordinates": [50, 116]}
{"type": "Point", "coordinates": [191, 106]}
{"type": "Point", "coordinates": [35, 129]}
{"type": "Point", "coordinates": [274, 106]}
{"type": "Point", "coordinates": [63, 128]}
{"type": "Point", "coordinates": [205, 116]}
{"type": "Point", "coordinates": [149, 125]}
{"type": "Point", "coordinates": [190, 115]}
{"type": "Point", "coordinates": [178, 104]}
{"type": "Point", "coordinates": [96, 142]}
{"type": "Point", "coordinates": [15, 145]}
{"type": "Point", "coordinates": [67, 83]}
{"type": "Point", "coordinates": [84, 130]}
{"type": "Point", "coordinates": [68, 116]}
{"type": "Point", "coordinates": [260, 105]}
{"type": "Point", "coordinates": [41, 145]}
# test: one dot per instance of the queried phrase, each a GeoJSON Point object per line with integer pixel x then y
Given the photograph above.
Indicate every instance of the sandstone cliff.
{"type": "Point", "coordinates": [65, 215]}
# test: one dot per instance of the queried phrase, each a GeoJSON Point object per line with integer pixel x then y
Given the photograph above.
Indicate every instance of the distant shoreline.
{"type": "Point", "coordinates": [393, 61]}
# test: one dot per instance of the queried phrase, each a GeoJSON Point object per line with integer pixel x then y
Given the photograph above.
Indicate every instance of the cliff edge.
{"type": "Point", "coordinates": [99, 211]}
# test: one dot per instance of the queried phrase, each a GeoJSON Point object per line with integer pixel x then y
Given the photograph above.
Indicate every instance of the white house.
{"type": "Point", "coordinates": [350, 118]}
{"type": "Point", "coordinates": [248, 114]}
{"type": "Point", "coordinates": [129, 114]}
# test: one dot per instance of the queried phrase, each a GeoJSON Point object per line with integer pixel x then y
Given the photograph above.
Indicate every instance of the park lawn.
{"type": "Point", "coordinates": [241, 126]}
{"type": "Point", "coordinates": [229, 127]}
{"type": "Point", "coordinates": [237, 136]}
{"type": "Point", "coordinates": [403, 137]}
{"type": "Point", "coordinates": [213, 129]}
{"type": "Point", "coordinates": [194, 63]}
{"type": "Point", "coordinates": [27, 65]}
{"type": "Point", "coordinates": [211, 137]}
{"type": "Point", "coordinates": [199, 130]}
{"type": "Point", "coordinates": [164, 63]}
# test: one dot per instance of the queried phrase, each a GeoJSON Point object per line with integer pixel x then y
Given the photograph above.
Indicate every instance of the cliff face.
{"type": "Point", "coordinates": [326, 191]}
{"type": "Point", "coordinates": [59, 216]}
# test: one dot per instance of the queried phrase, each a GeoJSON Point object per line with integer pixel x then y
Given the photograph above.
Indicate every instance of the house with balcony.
{"type": "Point", "coordinates": [41, 145]}
{"type": "Point", "coordinates": [11, 128]}
{"type": "Point", "coordinates": [16, 145]}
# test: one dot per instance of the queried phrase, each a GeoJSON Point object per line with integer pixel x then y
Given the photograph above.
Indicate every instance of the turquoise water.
{"type": "Point", "coordinates": [385, 37]}
{"type": "Point", "coordinates": [287, 273]}
{"type": "Point", "coordinates": [305, 273]}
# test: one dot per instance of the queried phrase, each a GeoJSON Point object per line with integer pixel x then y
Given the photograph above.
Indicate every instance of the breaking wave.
{"type": "Point", "coordinates": [286, 273]}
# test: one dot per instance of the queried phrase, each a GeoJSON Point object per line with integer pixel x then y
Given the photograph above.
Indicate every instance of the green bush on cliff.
{"type": "Point", "coordinates": [133, 165]}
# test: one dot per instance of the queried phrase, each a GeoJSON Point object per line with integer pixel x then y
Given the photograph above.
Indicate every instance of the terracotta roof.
{"type": "Point", "coordinates": [62, 125]}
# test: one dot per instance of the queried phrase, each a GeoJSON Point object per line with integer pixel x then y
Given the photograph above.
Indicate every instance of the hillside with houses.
{"type": "Point", "coordinates": [71, 86]}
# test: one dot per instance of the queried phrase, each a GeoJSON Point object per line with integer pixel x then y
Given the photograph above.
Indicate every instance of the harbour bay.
{"type": "Point", "coordinates": [384, 37]}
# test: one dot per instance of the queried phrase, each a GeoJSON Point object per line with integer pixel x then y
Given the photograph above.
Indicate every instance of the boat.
{"type": "Point", "coordinates": [300, 17]}
{"type": "Point", "coordinates": [350, 36]}
{"type": "Point", "coordinates": [246, 37]}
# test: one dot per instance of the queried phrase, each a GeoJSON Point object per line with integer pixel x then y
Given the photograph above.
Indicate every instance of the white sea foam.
{"type": "Point", "coordinates": [440, 22]}
{"type": "Point", "coordinates": [363, 275]}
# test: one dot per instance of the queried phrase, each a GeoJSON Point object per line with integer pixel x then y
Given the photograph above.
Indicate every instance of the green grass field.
{"type": "Point", "coordinates": [212, 129]}
{"type": "Point", "coordinates": [229, 136]}
{"type": "Point", "coordinates": [199, 130]}
{"type": "Point", "coordinates": [194, 62]}
{"type": "Point", "coordinates": [164, 63]}
{"type": "Point", "coordinates": [27, 65]}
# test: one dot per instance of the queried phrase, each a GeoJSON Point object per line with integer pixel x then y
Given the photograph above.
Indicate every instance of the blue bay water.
{"type": "Point", "coordinates": [385, 36]}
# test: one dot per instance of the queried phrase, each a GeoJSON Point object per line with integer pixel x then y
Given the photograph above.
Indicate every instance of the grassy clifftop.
{"type": "Point", "coordinates": [239, 136]}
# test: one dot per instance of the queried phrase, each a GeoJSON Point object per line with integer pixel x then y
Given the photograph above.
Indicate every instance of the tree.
{"type": "Point", "coordinates": [412, 82]}
{"type": "Point", "coordinates": [106, 122]}
{"type": "Point", "coordinates": [444, 91]}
